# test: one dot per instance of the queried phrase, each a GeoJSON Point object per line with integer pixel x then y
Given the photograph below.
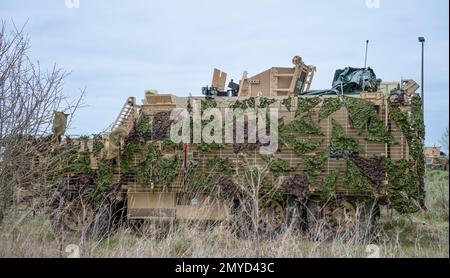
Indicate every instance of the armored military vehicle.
{"type": "Point", "coordinates": [342, 153]}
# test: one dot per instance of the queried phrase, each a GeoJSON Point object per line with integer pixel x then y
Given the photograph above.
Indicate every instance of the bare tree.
{"type": "Point", "coordinates": [444, 140]}
{"type": "Point", "coordinates": [29, 96]}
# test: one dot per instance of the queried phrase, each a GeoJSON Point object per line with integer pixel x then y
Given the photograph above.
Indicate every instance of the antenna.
{"type": "Point", "coordinates": [365, 67]}
{"type": "Point", "coordinates": [365, 58]}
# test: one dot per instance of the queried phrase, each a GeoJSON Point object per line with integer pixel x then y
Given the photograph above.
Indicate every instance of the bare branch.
{"type": "Point", "coordinates": [29, 96]}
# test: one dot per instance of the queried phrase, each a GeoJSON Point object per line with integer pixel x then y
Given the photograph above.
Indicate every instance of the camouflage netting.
{"type": "Point", "coordinates": [265, 102]}
{"type": "Point", "coordinates": [327, 188]}
{"type": "Point", "coordinates": [329, 106]}
{"type": "Point", "coordinates": [297, 186]}
{"type": "Point", "coordinates": [217, 178]}
{"type": "Point", "coordinates": [66, 159]}
{"type": "Point", "coordinates": [306, 148]}
{"type": "Point", "coordinates": [363, 114]}
{"type": "Point", "coordinates": [80, 185]}
{"type": "Point", "coordinates": [303, 136]}
{"type": "Point", "coordinates": [362, 174]}
{"type": "Point", "coordinates": [305, 104]}
{"type": "Point", "coordinates": [143, 126]}
{"type": "Point", "coordinates": [228, 189]}
{"type": "Point", "coordinates": [246, 146]}
{"type": "Point", "coordinates": [197, 181]}
{"type": "Point", "coordinates": [403, 193]}
{"type": "Point", "coordinates": [304, 125]}
{"type": "Point", "coordinates": [146, 163]}
{"type": "Point", "coordinates": [166, 170]}
{"type": "Point", "coordinates": [354, 179]}
{"type": "Point", "coordinates": [244, 104]}
{"type": "Point", "coordinates": [160, 125]}
{"type": "Point", "coordinates": [206, 147]}
{"type": "Point", "coordinates": [403, 189]}
{"type": "Point", "coordinates": [277, 166]}
{"type": "Point", "coordinates": [372, 168]}
{"type": "Point", "coordinates": [287, 102]}
{"type": "Point", "coordinates": [221, 165]}
{"type": "Point", "coordinates": [341, 144]}
{"type": "Point", "coordinates": [315, 164]}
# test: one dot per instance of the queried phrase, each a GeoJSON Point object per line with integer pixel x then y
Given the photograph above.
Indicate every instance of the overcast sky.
{"type": "Point", "coordinates": [118, 49]}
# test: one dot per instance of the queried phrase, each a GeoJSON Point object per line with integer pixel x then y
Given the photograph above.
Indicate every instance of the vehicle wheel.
{"type": "Point", "coordinates": [72, 214]}
{"type": "Point", "coordinates": [341, 216]}
{"type": "Point", "coordinates": [77, 216]}
{"type": "Point", "coordinates": [271, 220]}
{"type": "Point", "coordinates": [108, 217]}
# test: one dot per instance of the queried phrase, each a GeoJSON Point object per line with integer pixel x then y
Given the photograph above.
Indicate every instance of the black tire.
{"type": "Point", "coordinates": [107, 218]}
{"type": "Point", "coordinates": [293, 219]}
{"type": "Point", "coordinates": [97, 221]}
{"type": "Point", "coordinates": [366, 216]}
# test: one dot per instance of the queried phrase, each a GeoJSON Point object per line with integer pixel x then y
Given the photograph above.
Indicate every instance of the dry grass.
{"type": "Point", "coordinates": [425, 234]}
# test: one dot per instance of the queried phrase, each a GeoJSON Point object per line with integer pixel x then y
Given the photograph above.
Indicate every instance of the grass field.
{"type": "Point", "coordinates": [425, 234]}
